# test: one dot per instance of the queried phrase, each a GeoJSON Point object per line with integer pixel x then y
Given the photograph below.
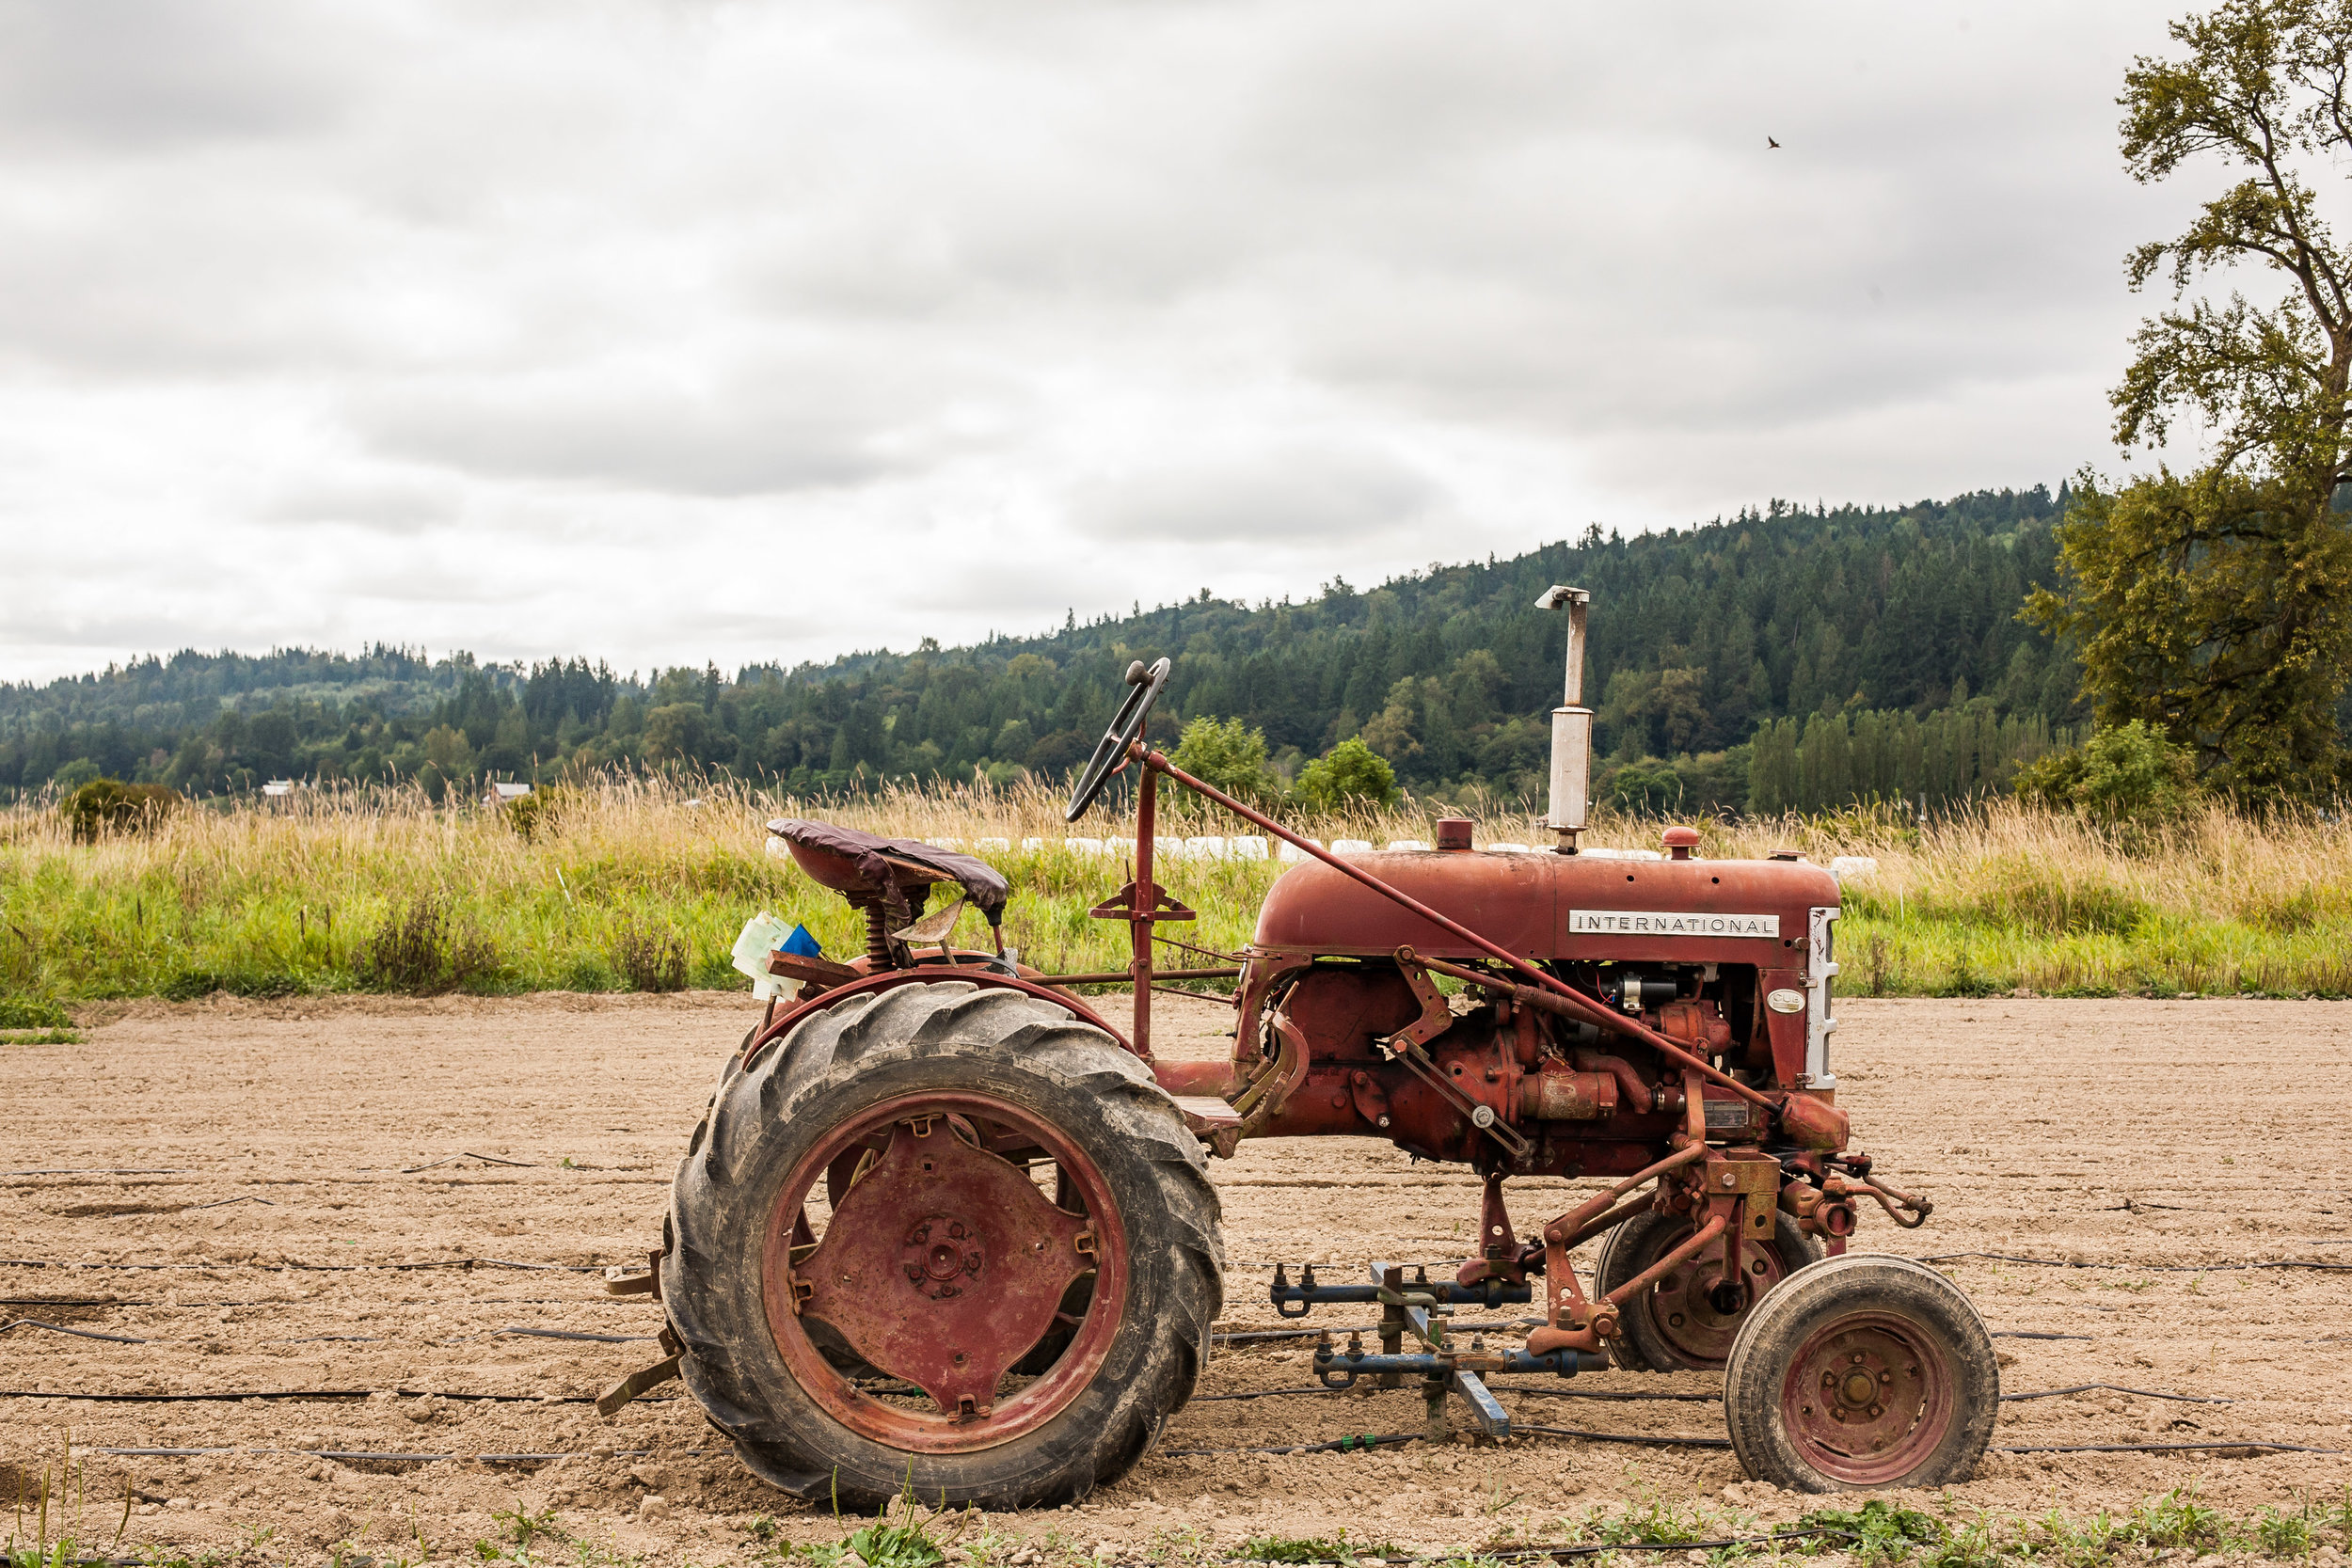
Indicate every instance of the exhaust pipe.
{"type": "Point", "coordinates": [1571, 726]}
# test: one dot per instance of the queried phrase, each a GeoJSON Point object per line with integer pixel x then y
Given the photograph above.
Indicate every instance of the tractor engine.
{"type": "Point", "coordinates": [1731, 959]}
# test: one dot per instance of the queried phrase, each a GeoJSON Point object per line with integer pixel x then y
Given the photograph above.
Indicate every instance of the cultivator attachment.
{"type": "Point", "coordinates": [1445, 1367]}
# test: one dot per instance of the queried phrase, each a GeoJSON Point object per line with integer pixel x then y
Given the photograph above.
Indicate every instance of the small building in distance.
{"type": "Point", "coordinates": [500, 794]}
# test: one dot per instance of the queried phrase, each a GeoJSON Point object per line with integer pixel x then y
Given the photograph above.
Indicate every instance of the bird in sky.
{"type": "Point", "coordinates": [1769, 142]}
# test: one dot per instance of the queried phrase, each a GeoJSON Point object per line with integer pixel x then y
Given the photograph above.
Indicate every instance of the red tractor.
{"type": "Point", "coordinates": [944, 1226]}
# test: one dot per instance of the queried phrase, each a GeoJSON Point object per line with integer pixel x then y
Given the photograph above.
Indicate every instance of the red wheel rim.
{"type": "Point", "coordinates": [1869, 1397]}
{"type": "Point", "coordinates": [1683, 1305]}
{"type": "Point", "coordinates": [944, 1266]}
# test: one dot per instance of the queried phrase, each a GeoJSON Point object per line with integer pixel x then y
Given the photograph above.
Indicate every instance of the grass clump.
{"type": "Point", "coordinates": [32, 1021]}
{"type": "Point", "coordinates": [1309, 1549]}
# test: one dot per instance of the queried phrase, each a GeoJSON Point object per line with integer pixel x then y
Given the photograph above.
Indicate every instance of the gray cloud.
{"type": "Point", "coordinates": [617, 324]}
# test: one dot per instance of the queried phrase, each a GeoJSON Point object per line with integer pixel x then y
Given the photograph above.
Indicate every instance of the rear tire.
{"type": "Point", "coordinates": [981, 1081]}
{"type": "Point", "coordinates": [1676, 1325]}
{"type": "Point", "coordinates": [1863, 1373]}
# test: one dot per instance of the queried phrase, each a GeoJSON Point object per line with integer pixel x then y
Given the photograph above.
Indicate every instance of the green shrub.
{"type": "Point", "coordinates": [2127, 774]}
{"type": "Point", "coordinates": [649, 959]}
{"type": "Point", "coordinates": [421, 951]}
{"type": "Point", "coordinates": [26, 1012]}
{"type": "Point", "coordinates": [538, 813]}
{"type": "Point", "coordinates": [1350, 777]}
{"type": "Point", "coordinates": [109, 805]}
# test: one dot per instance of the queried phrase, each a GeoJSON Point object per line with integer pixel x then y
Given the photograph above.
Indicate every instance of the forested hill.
{"type": "Point", "coordinates": [1702, 638]}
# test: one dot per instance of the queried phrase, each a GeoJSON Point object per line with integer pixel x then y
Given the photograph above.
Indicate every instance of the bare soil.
{"type": "Point", "coordinates": [309, 1175]}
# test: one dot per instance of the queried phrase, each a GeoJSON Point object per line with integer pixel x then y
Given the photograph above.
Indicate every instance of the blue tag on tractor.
{"type": "Point", "coordinates": [801, 944]}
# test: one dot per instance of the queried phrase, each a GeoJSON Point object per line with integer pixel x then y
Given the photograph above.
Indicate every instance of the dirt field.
{"type": "Point", "coordinates": [230, 1142]}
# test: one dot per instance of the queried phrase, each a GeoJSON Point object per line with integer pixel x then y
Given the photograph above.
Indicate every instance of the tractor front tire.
{"type": "Point", "coordinates": [1860, 1374]}
{"type": "Point", "coordinates": [959, 1329]}
{"type": "Point", "coordinates": [1678, 1324]}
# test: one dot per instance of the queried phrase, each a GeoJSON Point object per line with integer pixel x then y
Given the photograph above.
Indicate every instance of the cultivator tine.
{"type": "Point", "coordinates": [1486, 1415]}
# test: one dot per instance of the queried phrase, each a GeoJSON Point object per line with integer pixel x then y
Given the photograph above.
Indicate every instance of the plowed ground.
{"type": "Point", "coordinates": [232, 1141]}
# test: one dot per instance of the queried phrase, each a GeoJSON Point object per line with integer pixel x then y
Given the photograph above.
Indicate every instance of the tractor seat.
{"type": "Point", "coordinates": [870, 870]}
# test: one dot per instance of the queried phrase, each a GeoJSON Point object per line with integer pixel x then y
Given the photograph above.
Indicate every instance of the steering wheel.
{"type": "Point", "coordinates": [1143, 690]}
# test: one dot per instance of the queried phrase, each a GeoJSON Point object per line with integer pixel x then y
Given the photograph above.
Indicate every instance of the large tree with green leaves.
{"type": "Point", "coordinates": [2218, 606]}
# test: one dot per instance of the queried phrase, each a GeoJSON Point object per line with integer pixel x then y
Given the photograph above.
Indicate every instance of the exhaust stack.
{"type": "Point", "coordinates": [1571, 726]}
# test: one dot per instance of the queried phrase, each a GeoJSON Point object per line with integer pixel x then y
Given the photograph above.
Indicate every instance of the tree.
{"type": "Point", "coordinates": [2214, 605]}
{"type": "Point", "coordinates": [1351, 776]}
{"type": "Point", "coordinates": [1229, 755]}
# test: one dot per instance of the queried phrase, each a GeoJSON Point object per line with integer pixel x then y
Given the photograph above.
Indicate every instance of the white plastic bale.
{"type": "Point", "coordinates": [1083, 845]}
{"type": "Point", "coordinates": [1168, 849]}
{"type": "Point", "coordinates": [1292, 854]}
{"type": "Point", "coordinates": [1853, 868]}
{"type": "Point", "coordinates": [1406, 843]}
{"type": "Point", "coordinates": [1247, 848]}
{"type": "Point", "coordinates": [1032, 845]}
{"type": "Point", "coordinates": [1207, 846]}
{"type": "Point", "coordinates": [1351, 846]}
{"type": "Point", "coordinates": [1508, 850]}
{"type": "Point", "coordinates": [984, 845]}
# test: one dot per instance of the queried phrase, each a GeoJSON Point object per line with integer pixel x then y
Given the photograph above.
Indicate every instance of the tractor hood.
{"type": "Point", "coordinates": [1544, 906]}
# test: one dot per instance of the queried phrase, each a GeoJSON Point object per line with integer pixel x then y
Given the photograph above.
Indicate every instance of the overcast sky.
{"type": "Point", "coordinates": [675, 330]}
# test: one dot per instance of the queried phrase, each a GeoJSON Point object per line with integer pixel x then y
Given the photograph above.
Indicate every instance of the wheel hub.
{"type": "Point", "coordinates": [1696, 1312]}
{"type": "Point", "coordinates": [944, 1257]}
{"type": "Point", "coordinates": [899, 1272]}
{"type": "Point", "coordinates": [1864, 1400]}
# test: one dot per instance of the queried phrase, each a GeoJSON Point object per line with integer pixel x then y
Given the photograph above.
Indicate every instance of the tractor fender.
{"type": "Point", "coordinates": [781, 1024]}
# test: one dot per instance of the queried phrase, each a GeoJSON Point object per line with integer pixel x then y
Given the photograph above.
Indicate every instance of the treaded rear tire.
{"type": "Point", "coordinates": [940, 1037]}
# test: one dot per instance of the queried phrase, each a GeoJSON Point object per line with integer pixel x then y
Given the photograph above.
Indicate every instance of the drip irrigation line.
{"type": "Point", "coordinates": [2254, 1444]}
{"type": "Point", "coordinates": [1599, 1394]}
{"type": "Point", "coordinates": [2119, 1388]}
{"type": "Point", "coordinates": [2031, 1333]}
{"type": "Point", "coordinates": [401, 1458]}
{"type": "Point", "coordinates": [106, 1170]}
{"type": "Point", "coordinates": [469, 1155]}
{"type": "Point", "coordinates": [1649, 1440]}
{"type": "Point", "coordinates": [79, 1333]}
{"type": "Point", "coordinates": [1564, 1554]}
{"type": "Point", "coordinates": [68, 1301]}
{"type": "Point", "coordinates": [575, 1334]}
{"type": "Point", "coordinates": [227, 1201]}
{"type": "Point", "coordinates": [323, 1395]}
{"type": "Point", "coordinates": [1265, 1394]}
{"type": "Point", "coordinates": [1353, 1444]}
{"type": "Point", "coordinates": [316, 1268]}
{"type": "Point", "coordinates": [2144, 1268]}
{"type": "Point", "coordinates": [331, 1339]}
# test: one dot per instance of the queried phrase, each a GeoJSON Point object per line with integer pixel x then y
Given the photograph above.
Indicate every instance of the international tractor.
{"type": "Point", "coordinates": [947, 1225]}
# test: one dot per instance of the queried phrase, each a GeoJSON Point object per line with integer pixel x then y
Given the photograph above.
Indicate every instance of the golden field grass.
{"type": "Point", "coordinates": [643, 884]}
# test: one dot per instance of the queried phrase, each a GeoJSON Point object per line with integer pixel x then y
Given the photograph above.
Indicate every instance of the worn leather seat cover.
{"type": "Point", "coordinates": [869, 866]}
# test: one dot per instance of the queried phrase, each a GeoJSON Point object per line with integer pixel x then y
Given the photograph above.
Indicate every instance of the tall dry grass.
{"type": "Point", "coordinates": [632, 883]}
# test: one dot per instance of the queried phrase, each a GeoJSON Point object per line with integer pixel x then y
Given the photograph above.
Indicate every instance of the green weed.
{"type": "Point", "coordinates": [522, 1526]}
{"type": "Point", "coordinates": [2284, 1534]}
{"type": "Point", "coordinates": [1875, 1532]}
{"type": "Point", "coordinates": [2179, 1519]}
{"type": "Point", "coordinates": [1308, 1548]}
